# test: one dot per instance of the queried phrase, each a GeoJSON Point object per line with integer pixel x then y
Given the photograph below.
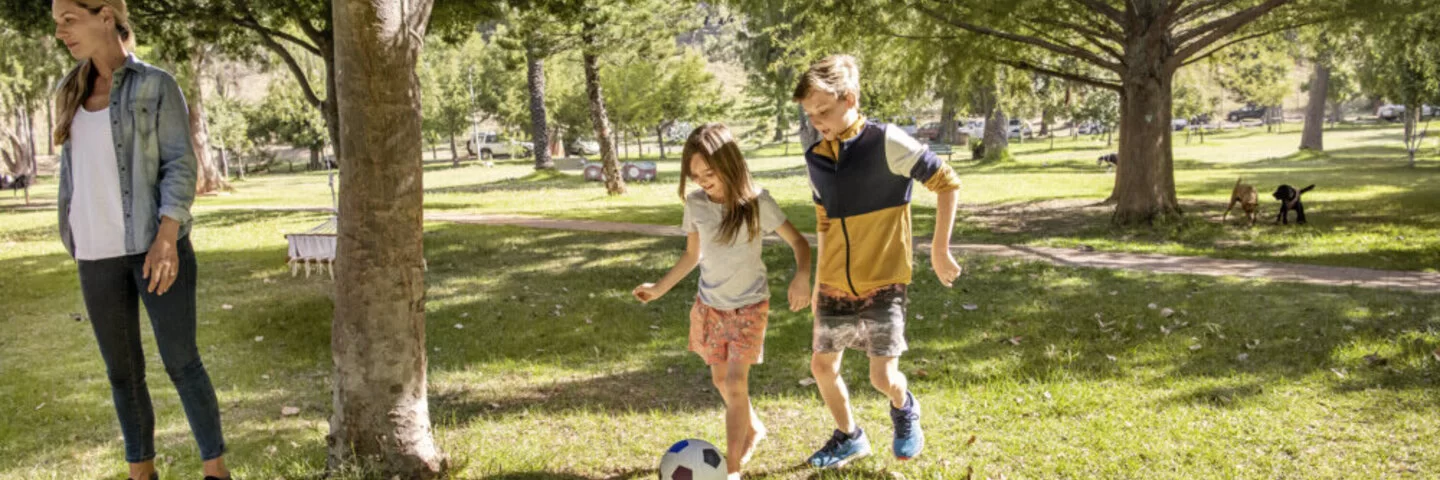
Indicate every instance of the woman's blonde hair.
{"type": "Point", "coordinates": [76, 86]}
{"type": "Point", "coordinates": [716, 146]}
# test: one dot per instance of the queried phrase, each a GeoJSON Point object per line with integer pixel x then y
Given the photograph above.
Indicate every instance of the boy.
{"type": "Point", "coordinates": [861, 174]}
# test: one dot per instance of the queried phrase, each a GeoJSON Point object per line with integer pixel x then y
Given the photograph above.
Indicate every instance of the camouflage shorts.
{"type": "Point", "coordinates": [873, 322]}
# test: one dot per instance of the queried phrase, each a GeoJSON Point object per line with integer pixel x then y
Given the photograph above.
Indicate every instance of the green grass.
{"type": "Point", "coordinates": [557, 373]}
{"type": "Point", "coordinates": [1368, 209]}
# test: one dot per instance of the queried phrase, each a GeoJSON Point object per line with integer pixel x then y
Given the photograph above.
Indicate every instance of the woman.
{"type": "Point", "coordinates": [127, 179]}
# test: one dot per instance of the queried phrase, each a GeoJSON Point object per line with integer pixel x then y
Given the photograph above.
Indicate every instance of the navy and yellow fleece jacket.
{"type": "Point", "coordinates": [861, 184]}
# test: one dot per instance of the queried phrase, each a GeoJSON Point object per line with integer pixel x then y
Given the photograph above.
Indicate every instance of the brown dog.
{"type": "Point", "coordinates": [1248, 199]}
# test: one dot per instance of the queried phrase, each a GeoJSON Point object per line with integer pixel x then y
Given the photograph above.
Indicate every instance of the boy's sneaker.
{"type": "Point", "coordinates": [909, 438]}
{"type": "Point", "coordinates": [841, 449]}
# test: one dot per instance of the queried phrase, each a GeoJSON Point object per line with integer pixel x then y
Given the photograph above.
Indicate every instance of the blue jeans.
{"type": "Point", "coordinates": [113, 289]}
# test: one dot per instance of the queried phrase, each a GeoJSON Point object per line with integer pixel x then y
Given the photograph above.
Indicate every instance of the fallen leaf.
{"type": "Point", "coordinates": [919, 316]}
{"type": "Point", "coordinates": [1111, 357]}
{"type": "Point", "coordinates": [1153, 306]}
{"type": "Point", "coordinates": [459, 326]}
{"type": "Point", "coordinates": [1242, 357]}
{"type": "Point", "coordinates": [1339, 372]}
{"type": "Point", "coordinates": [1167, 313]}
{"type": "Point", "coordinates": [1086, 248]}
{"type": "Point", "coordinates": [290, 411]}
{"type": "Point", "coordinates": [971, 441]}
{"type": "Point", "coordinates": [588, 321]}
{"type": "Point", "coordinates": [494, 405]}
{"type": "Point", "coordinates": [270, 450]}
{"type": "Point", "coordinates": [1047, 396]}
{"type": "Point", "coordinates": [805, 382]}
{"type": "Point", "coordinates": [1376, 360]}
{"type": "Point", "coordinates": [1015, 340]}
{"type": "Point", "coordinates": [259, 338]}
{"type": "Point", "coordinates": [1114, 292]}
{"type": "Point", "coordinates": [227, 307]}
{"type": "Point", "coordinates": [1194, 347]}
{"type": "Point", "coordinates": [76, 317]}
{"type": "Point", "coordinates": [465, 315]}
{"type": "Point", "coordinates": [1250, 345]}
{"type": "Point", "coordinates": [40, 406]}
{"type": "Point", "coordinates": [265, 376]}
{"type": "Point", "coordinates": [970, 306]}
{"type": "Point", "coordinates": [654, 327]}
{"type": "Point", "coordinates": [1436, 354]}
{"type": "Point", "coordinates": [922, 373]}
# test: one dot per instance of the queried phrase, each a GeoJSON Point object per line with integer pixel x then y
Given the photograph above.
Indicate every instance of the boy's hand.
{"type": "Point", "coordinates": [799, 293]}
{"type": "Point", "coordinates": [647, 292]}
{"type": "Point", "coordinates": [945, 267]}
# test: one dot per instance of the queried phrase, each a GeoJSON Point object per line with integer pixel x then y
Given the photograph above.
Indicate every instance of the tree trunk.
{"type": "Point", "coordinates": [539, 131]}
{"type": "Point", "coordinates": [809, 136]}
{"type": "Point", "coordinates": [1312, 138]}
{"type": "Point", "coordinates": [381, 415]}
{"type": "Point", "coordinates": [1337, 113]}
{"type": "Point", "coordinates": [946, 134]}
{"type": "Point", "coordinates": [782, 121]}
{"type": "Point", "coordinates": [1045, 118]}
{"type": "Point", "coordinates": [997, 136]}
{"type": "Point", "coordinates": [329, 106]}
{"type": "Point", "coordinates": [315, 159]}
{"type": "Point", "coordinates": [454, 152]}
{"type": "Point", "coordinates": [614, 185]}
{"type": "Point", "coordinates": [1145, 176]}
{"type": "Point", "coordinates": [660, 139]}
{"type": "Point", "coordinates": [1413, 136]}
{"type": "Point", "coordinates": [208, 178]}
{"type": "Point", "coordinates": [224, 162]}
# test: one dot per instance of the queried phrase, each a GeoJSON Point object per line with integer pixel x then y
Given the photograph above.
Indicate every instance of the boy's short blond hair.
{"type": "Point", "coordinates": [836, 75]}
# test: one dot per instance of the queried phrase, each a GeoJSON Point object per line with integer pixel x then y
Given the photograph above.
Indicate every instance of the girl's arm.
{"type": "Point", "coordinates": [799, 293]}
{"type": "Point", "coordinates": [650, 291]}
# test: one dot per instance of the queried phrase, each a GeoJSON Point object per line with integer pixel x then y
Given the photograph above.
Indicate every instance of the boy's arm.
{"type": "Point", "coordinates": [940, 258]}
{"type": "Point", "coordinates": [910, 158]}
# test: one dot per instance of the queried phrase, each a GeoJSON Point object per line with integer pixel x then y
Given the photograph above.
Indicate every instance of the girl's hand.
{"type": "Point", "coordinates": [799, 293]}
{"type": "Point", "coordinates": [162, 265]}
{"type": "Point", "coordinates": [647, 292]}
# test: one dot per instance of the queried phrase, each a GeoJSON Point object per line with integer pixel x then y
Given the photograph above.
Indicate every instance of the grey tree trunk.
{"type": "Point", "coordinates": [997, 139]}
{"type": "Point", "coordinates": [614, 185]}
{"type": "Point", "coordinates": [1313, 137]}
{"type": "Point", "coordinates": [946, 134]}
{"type": "Point", "coordinates": [1145, 177]}
{"type": "Point", "coordinates": [381, 417]}
{"type": "Point", "coordinates": [539, 131]}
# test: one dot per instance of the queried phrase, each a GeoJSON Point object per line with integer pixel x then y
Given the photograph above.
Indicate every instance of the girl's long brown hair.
{"type": "Point", "coordinates": [77, 85]}
{"type": "Point", "coordinates": [716, 146]}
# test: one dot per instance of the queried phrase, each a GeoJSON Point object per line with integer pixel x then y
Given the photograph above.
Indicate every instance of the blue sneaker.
{"type": "Point", "coordinates": [841, 449]}
{"type": "Point", "coordinates": [909, 438]}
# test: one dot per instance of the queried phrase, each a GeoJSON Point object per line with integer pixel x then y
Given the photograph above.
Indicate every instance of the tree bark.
{"type": "Point", "coordinates": [614, 185]}
{"type": "Point", "coordinates": [1312, 138]}
{"type": "Point", "coordinates": [1145, 176]}
{"type": "Point", "coordinates": [946, 134]}
{"type": "Point", "coordinates": [997, 137]}
{"type": "Point", "coordinates": [208, 177]}
{"type": "Point", "coordinates": [1412, 131]}
{"type": "Point", "coordinates": [454, 153]}
{"type": "Point", "coordinates": [1045, 118]}
{"type": "Point", "coordinates": [782, 121]}
{"type": "Point", "coordinates": [381, 415]}
{"type": "Point", "coordinates": [539, 131]}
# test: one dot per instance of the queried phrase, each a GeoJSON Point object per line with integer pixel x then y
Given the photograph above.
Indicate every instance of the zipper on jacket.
{"type": "Point", "coordinates": [846, 231]}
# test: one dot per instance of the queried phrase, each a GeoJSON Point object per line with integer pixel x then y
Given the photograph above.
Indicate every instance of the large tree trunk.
{"type": "Point", "coordinates": [614, 185]}
{"type": "Point", "coordinates": [381, 417]}
{"type": "Point", "coordinates": [1313, 136]}
{"type": "Point", "coordinates": [539, 131]}
{"type": "Point", "coordinates": [782, 121]}
{"type": "Point", "coordinates": [809, 136]}
{"type": "Point", "coordinates": [208, 177]}
{"type": "Point", "coordinates": [1413, 135]}
{"type": "Point", "coordinates": [997, 137]}
{"type": "Point", "coordinates": [329, 106]}
{"type": "Point", "coordinates": [947, 120]}
{"type": "Point", "coordinates": [1145, 176]}
{"type": "Point", "coordinates": [1046, 116]}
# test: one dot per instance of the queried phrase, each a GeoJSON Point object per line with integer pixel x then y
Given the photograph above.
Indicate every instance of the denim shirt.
{"type": "Point", "coordinates": [151, 127]}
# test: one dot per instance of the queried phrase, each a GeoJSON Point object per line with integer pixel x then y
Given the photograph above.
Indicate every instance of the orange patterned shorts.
{"type": "Point", "coordinates": [721, 336]}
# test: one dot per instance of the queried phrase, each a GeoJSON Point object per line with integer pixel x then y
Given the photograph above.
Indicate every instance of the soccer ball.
{"type": "Point", "coordinates": [692, 460]}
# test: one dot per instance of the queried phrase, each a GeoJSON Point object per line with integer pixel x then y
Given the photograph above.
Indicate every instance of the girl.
{"type": "Point", "coordinates": [127, 179]}
{"type": "Point", "coordinates": [724, 221]}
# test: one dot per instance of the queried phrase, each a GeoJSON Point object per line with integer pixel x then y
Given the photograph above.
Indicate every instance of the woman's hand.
{"type": "Point", "coordinates": [162, 264]}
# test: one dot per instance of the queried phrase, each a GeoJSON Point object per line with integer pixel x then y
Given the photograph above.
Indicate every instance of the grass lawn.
{"type": "Point", "coordinates": [541, 366]}
{"type": "Point", "coordinates": [1368, 209]}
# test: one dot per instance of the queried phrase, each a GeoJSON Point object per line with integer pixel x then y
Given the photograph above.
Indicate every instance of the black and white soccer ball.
{"type": "Point", "coordinates": [692, 460]}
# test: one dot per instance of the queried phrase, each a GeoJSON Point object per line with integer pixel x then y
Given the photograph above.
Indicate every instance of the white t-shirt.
{"type": "Point", "coordinates": [731, 275]}
{"type": "Point", "coordinates": [97, 219]}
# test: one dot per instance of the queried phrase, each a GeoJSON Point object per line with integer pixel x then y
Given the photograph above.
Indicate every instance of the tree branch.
{"type": "Point", "coordinates": [1041, 69]}
{"type": "Point", "coordinates": [1100, 7]}
{"type": "Point", "coordinates": [1068, 50]}
{"type": "Point", "coordinates": [1200, 9]}
{"type": "Point", "coordinates": [300, 76]}
{"type": "Point", "coordinates": [1204, 35]}
{"type": "Point", "coordinates": [1197, 58]}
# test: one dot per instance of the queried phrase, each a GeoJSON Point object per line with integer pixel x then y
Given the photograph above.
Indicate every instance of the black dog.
{"type": "Point", "coordinates": [1290, 200]}
{"type": "Point", "coordinates": [8, 182]}
{"type": "Point", "coordinates": [1111, 158]}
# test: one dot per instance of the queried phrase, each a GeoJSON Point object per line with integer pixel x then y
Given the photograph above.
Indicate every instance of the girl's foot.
{"type": "Point", "coordinates": [757, 433]}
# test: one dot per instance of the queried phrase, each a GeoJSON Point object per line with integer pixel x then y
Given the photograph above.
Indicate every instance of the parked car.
{"type": "Point", "coordinates": [1390, 112]}
{"type": "Point", "coordinates": [488, 145]}
{"type": "Point", "coordinates": [1090, 128]}
{"type": "Point", "coordinates": [974, 128]}
{"type": "Point", "coordinates": [1201, 119]}
{"type": "Point", "coordinates": [1019, 128]}
{"type": "Point", "coordinates": [1246, 112]}
{"type": "Point", "coordinates": [582, 147]}
{"type": "Point", "coordinates": [928, 131]}
{"type": "Point", "coordinates": [1179, 124]}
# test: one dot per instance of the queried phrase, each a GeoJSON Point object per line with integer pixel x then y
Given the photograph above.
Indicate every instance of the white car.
{"type": "Point", "coordinates": [488, 145]}
{"type": "Point", "coordinates": [1390, 112]}
{"type": "Point", "coordinates": [583, 148]}
{"type": "Point", "coordinates": [1019, 128]}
